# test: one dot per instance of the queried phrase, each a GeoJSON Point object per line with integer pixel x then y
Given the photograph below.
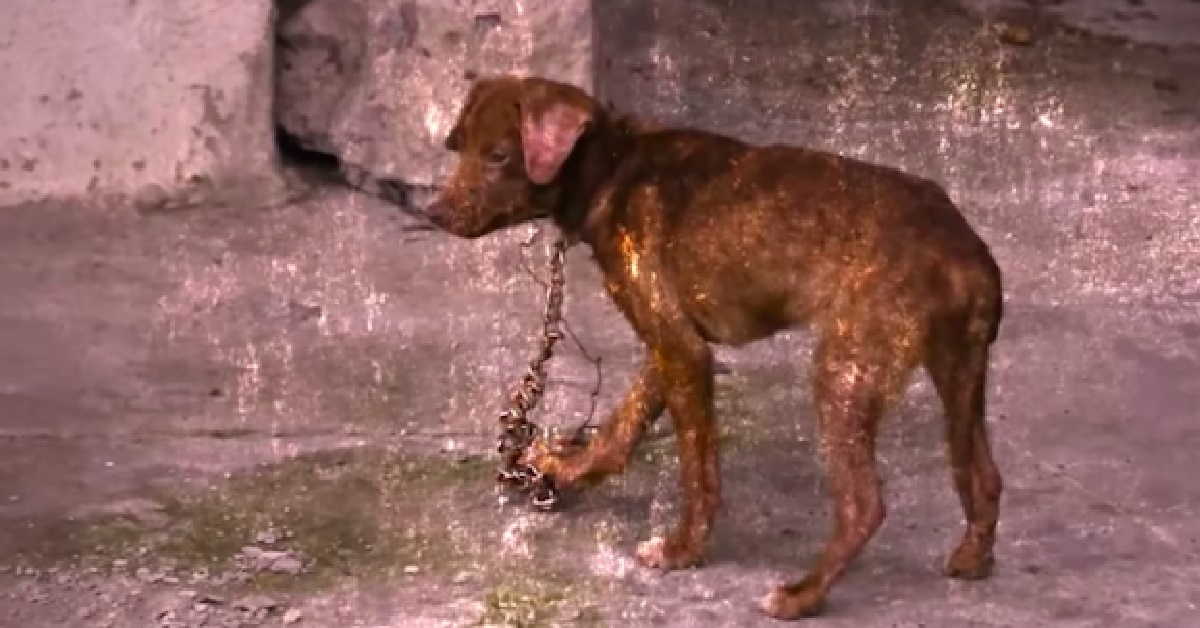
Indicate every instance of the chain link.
{"type": "Point", "coordinates": [518, 431]}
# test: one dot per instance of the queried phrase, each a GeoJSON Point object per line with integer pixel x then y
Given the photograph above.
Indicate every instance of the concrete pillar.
{"type": "Point", "coordinates": [155, 104]}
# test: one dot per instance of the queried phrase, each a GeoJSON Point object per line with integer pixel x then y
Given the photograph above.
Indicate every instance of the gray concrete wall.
{"type": "Point", "coordinates": [151, 102]}
{"type": "Point", "coordinates": [379, 82]}
{"type": "Point", "coordinates": [160, 105]}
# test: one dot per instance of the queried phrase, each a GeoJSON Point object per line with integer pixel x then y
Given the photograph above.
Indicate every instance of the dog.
{"type": "Point", "coordinates": [705, 239]}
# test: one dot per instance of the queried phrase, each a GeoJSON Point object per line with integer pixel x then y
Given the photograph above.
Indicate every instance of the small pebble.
{"type": "Point", "coordinates": [255, 603]}
{"type": "Point", "coordinates": [288, 565]}
{"type": "Point", "coordinates": [1015, 34]}
{"type": "Point", "coordinates": [411, 569]}
{"type": "Point", "coordinates": [292, 616]}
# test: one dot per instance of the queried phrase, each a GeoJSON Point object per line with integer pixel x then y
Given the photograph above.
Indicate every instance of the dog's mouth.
{"type": "Point", "coordinates": [495, 222]}
{"type": "Point", "coordinates": [505, 220]}
{"type": "Point", "coordinates": [478, 218]}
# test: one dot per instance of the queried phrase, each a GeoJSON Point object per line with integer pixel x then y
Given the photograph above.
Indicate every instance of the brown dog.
{"type": "Point", "coordinates": [705, 239]}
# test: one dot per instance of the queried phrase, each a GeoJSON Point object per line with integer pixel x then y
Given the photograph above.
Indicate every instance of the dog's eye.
{"type": "Point", "coordinates": [498, 157]}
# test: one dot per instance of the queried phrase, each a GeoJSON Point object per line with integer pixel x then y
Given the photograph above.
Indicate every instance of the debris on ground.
{"type": "Point", "coordinates": [254, 559]}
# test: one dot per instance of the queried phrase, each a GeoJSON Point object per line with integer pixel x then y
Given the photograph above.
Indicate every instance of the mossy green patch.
{"type": "Point", "coordinates": [357, 511]}
{"type": "Point", "coordinates": [345, 511]}
{"type": "Point", "coordinates": [70, 541]}
{"type": "Point", "coordinates": [533, 603]}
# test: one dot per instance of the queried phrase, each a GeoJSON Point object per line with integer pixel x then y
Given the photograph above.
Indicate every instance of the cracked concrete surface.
{"type": "Point", "coordinates": [172, 388]}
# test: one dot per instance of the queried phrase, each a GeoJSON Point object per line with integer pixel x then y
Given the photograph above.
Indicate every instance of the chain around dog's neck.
{"type": "Point", "coordinates": [518, 432]}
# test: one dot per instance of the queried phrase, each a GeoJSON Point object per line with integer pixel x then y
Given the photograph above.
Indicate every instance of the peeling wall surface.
{"type": "Point", "coordinates": [286, 415]}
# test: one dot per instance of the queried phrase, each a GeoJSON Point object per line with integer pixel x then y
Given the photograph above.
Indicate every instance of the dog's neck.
{"type": "Point", "coordinates": [596, 157]}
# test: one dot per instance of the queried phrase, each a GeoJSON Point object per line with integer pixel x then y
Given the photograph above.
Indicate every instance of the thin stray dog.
{"type": "Point", "coordinates": [705, 239]}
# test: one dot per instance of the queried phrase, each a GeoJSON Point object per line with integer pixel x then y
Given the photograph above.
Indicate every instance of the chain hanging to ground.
{"type": "Point", "coordinates": [518, 430]}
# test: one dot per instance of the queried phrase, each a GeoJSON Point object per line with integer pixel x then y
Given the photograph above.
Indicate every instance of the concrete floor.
{"type": "Point", "coordinates": [173, 388]}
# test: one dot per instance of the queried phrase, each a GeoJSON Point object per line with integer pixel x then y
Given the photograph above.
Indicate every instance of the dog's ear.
{"type": "Point", "coordinates": [553, 116]}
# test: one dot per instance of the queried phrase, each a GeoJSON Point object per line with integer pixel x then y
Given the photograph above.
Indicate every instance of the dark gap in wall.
{"type": "Point", "coordinates": [314, 165]}
{"type": "Point", "coordinates": [320, 55]}
{"type": "Point", "coordinates": [293, 46]}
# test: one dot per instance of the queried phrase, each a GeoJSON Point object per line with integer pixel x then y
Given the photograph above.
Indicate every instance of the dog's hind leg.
{"type": "Point", "coordinates": [957, 363]}
{"type": "Point", "coordinates": [855, 381]}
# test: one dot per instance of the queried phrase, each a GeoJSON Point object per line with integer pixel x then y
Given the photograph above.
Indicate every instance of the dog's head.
{"type": "Point", "coordinates": [513, 137]}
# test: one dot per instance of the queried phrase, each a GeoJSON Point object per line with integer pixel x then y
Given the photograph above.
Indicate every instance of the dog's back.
{"type": "Point", "coordinates": [777, 235]}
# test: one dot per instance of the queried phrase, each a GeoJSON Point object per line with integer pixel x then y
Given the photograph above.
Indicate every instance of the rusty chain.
{"type": "Point", "coordinates": [518, 431]}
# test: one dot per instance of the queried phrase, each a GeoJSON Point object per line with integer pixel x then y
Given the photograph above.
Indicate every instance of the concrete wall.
{"type": "Point", "coordinates": [171, 104]}
{"type": "Point", "coordinates": [378, 82]}
{"type": "Point", "coordinates": [155, 102]}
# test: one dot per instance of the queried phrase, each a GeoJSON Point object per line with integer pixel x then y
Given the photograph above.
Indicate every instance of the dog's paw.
{"type": "Point", "coordinates": [968, 563]}
{"type": "Point", "coordinates": [552, 462]}
{"type": "Point", "coordinates": [782, 603]}
{"type": "Point", "coordinates": [659, 553]}
{"type": "Point", "coordinates": [567, 461]}
{"type": "Point", "coordinates": [651, 554]}
{"type": "Point", "coordinates": [538, 455]}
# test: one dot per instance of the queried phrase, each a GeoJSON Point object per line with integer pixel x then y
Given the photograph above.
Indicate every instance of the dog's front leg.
{"type": "Point", "coordinates": [685, 361]}
{"type": "Point", "coordinates": [610, 450]}
{"type": "Point", "coordinates": [679, 377]}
